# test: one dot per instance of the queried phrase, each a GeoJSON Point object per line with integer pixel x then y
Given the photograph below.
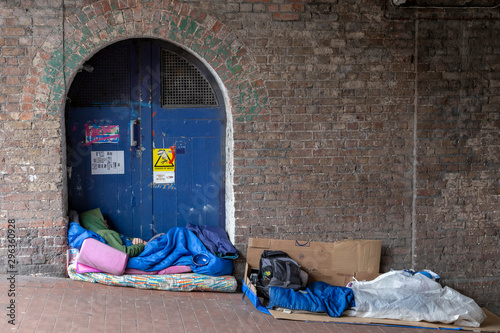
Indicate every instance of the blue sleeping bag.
{"type": "Point", "coordinates": [177, 247]}
{"type": "Point", "coordinates": [316, 297]}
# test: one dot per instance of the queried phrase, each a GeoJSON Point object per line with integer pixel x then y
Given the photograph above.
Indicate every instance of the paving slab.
{"type": "Point", "coordinates": [47, 304]}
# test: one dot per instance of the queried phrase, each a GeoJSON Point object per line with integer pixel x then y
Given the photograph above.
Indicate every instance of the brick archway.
{"type": "Point", "coordinates": [96, 26]}
{"type": "Point", "coordinates": [105, 22]}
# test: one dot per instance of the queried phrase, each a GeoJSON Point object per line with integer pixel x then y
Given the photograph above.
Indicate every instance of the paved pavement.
{"type": "Point", "coordinates": [44, 304]}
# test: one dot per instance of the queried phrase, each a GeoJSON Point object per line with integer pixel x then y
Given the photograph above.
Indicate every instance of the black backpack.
{"type": "Point", "coordinates": [277, 269]}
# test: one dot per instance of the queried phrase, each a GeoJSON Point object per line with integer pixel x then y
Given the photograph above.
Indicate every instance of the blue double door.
{"type": "Point", "coordinates": [145, 126]}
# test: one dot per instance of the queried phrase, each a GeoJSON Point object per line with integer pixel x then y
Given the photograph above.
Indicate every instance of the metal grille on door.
{"type": "Point", "coordinates": [183, 84]}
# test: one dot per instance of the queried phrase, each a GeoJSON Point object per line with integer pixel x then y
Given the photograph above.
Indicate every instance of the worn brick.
{"type": "Point", "coordinates": [332, 156]}
{"type": "Point", "coordinates": [12, 31]}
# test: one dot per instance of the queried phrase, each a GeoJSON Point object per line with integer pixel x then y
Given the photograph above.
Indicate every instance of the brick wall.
{"type": "Point", "coordinates": [458, 154]}
{"type": "Point", "coordinates": [357, 120]}
{"type": "Point", "coordinates": [30, 148]}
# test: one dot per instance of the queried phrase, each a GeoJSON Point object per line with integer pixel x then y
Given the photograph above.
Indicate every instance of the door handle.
{"type": "Point", "coordinates": [133, 141]}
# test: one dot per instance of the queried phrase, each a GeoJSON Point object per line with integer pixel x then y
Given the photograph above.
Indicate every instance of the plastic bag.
{"type": "Point", "coordinates": [402, 295]}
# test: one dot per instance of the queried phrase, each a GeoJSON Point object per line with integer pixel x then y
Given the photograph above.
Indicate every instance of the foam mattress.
{"type": "Point", "coordinates": [173, 282]}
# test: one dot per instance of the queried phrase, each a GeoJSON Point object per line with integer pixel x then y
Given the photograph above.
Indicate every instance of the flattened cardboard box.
{"type": "Point", "coordinates": [490, 324]}
{"type": "Point", "coordinates": [335, 263]}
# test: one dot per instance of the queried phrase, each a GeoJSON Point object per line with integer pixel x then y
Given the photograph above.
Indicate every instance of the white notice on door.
{"type": "Point", "coordinates": [107, 162]}
{"type": "Point", "coordinates": [164, 177]}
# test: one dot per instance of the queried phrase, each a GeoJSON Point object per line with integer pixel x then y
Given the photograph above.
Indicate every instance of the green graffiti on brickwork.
{"type": "Point", "coordinates": [173, 30]}
{"type": "Point", "coordinates": [83, 52]}
{"type": "Point", "coordinates": [223, 52]}
{"type": "Point", "coordinates": [207, 49]}
{"type": "Point", "coordinates": [70, 45]}
{"type": "Point", "coordinates": [192, 28]}
{"type": "Point", "coordinates": [86, 31]}
{"type": "Point", "coordinates": [166, 17]}
{"type": "Point", "coordinates": [54, 109]}
{"type": "Point", "coordinates": [251, 103]}
{"type": "Point", "coordinates": [199, 32]}
{"type": "Point", "coordinates": [183, 24]}
{"type": "Point", "coordinates": [47, 79]}
{"type": "Point", "coordinates": [233, 65]}
{"type": "Point", "coordinates": [50, 73]}
{"type": "Point", "coordinates": [83, 18]}
{"type": "Point", "coordinates": [91, 15]}
{"type": "Point", "coordinates": [58, 89]}
{"type": "Point", "coordinates": [205, 53]}
{"type": "Point", "coordinates": [68, 74]}
{"type": "Point", "coordinates": [75, 58]}
{"type": "Point", "coordinates": [75, 24]}
{"type": "Point", "coordinates": [184, 31]}
{"type": "Point", "coordinates": [69, 68]}
{"type": "Point", "coordinates": [110, 29]}
{"type": "Point", "coordinates": [210, 41]}
{"type": "Point", "coordinates": [57, 96]}
{"type": "Point", "coordinates": [56, 60]}
{"type": "Point", "coordinates": [191, 17]}
{"type": "Point", "coordinates": [195, 46]}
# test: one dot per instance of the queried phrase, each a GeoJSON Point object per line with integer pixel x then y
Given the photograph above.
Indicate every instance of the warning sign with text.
{"type": "Point", "coordinates": [164, 165]}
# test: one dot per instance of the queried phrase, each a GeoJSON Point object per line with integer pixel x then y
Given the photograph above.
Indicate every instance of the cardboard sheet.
{"type": "Point", "coordinates": [490, 324]}
{"type": "Point", "coordinates": [334, 263]}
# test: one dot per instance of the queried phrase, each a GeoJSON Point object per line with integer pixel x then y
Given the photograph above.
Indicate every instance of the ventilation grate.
{"type": "Point", "coordinates": [183, 84]}
{"type": "Point", "coordinates": [108, 83]}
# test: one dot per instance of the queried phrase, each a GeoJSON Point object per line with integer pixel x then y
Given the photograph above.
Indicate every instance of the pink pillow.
{"type": "Point", "coordinates": [102, 257]}
{"type": "Point", "coordinates": [175, 270]}
{"type": "Point", "coordinates": [81, 268]}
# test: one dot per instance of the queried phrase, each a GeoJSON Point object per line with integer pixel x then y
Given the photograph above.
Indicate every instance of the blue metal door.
{"type": "Point", "coordinates": [145, 135]}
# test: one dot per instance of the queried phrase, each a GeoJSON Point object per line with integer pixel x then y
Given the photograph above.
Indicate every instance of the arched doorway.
{"type": "Point", "coordinates": [145, 124]}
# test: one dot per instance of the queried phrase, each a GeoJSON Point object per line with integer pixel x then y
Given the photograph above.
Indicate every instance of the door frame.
{"type": "Point", "coordinates": [229, 130]}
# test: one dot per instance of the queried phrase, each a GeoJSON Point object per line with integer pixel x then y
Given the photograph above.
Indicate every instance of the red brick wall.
{"type": "Point", "coordinates": [458, 154]}
{"type": "Point", "coordinates": [351, 120]}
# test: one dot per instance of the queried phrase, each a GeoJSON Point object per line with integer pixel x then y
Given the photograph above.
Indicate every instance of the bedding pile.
{"type": "Point", "coordinates": [96, 260]}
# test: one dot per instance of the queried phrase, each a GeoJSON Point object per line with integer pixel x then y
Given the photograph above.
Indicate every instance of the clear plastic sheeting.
{"type": "Point", "coordinates": [402, 295]}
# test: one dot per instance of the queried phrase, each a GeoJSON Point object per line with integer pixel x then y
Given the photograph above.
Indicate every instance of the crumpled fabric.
{"type": "Point", "coordinates": [177, 247]}
{"type": "Point", "coordinates": [215, 239]}
{"type": "Point", "coordinates": [402, 295]}
{"type": "Point", "coordinates": [77, 234]}
{"type": "Point", "coordinates": [316, 297]}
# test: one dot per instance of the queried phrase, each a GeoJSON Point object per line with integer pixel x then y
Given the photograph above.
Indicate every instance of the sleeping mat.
{"type": "Point", "coordinates": [170, 282]}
